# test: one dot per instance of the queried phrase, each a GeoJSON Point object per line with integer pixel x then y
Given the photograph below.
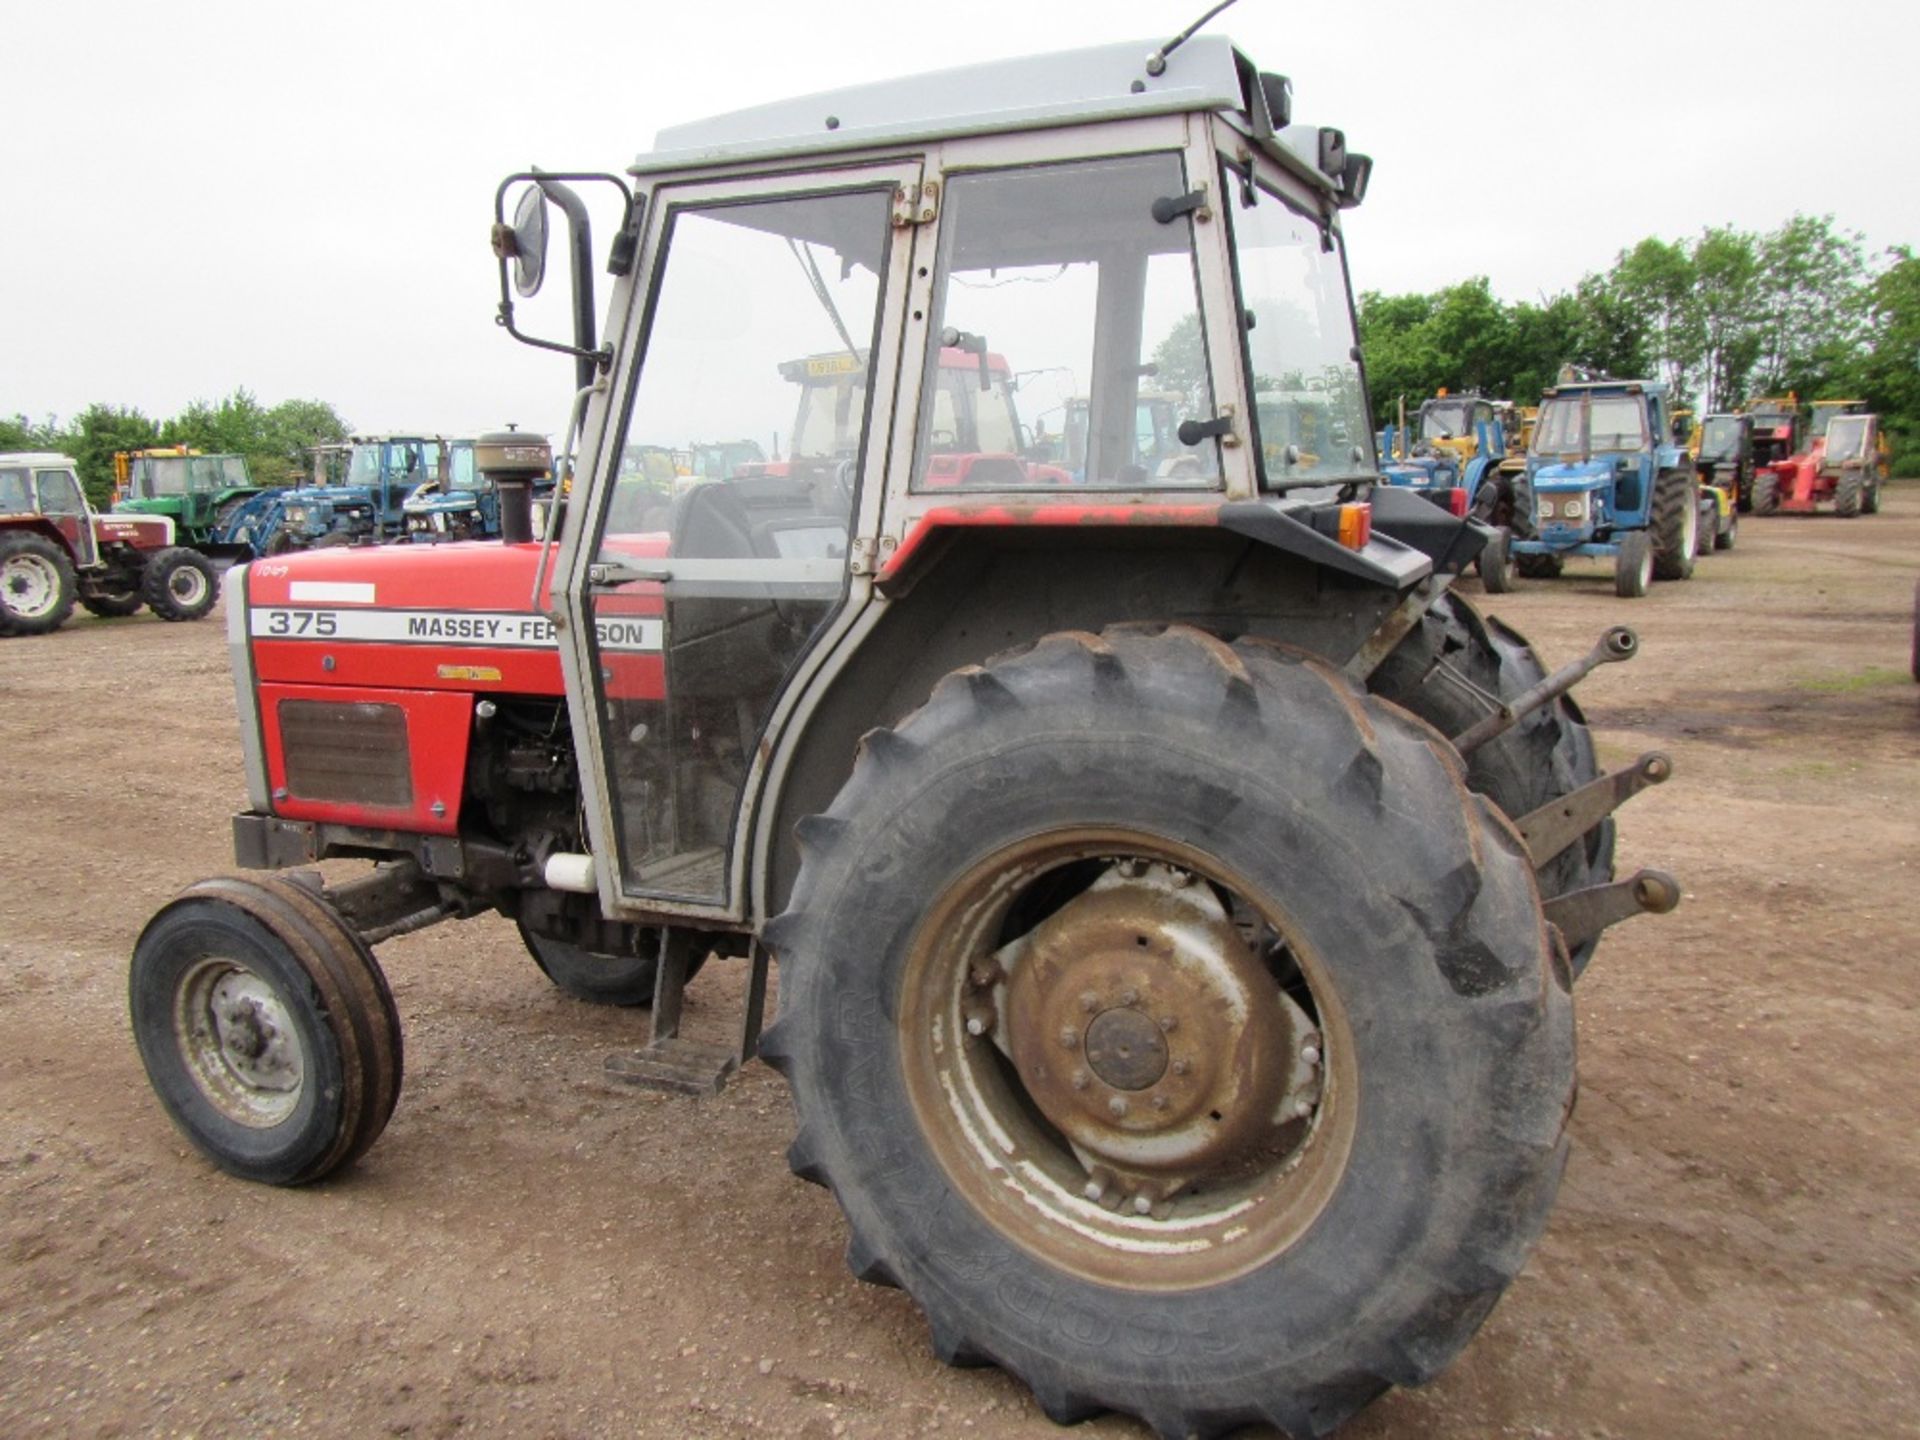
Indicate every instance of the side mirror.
{"type": "Point", "coordinates": [525, 241]}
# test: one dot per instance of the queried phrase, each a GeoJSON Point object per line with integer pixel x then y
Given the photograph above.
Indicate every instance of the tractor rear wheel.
{"type": "Point", "coordinates": [180, 584]}
{"type": "Point", "coordinates": [1766, 493]}
{"type": "Point", "coordinates": [1846, 494]}
{"type": "Point", "coordinates": [1675, 524]}
{"type": "Point", "coordinates": [37, 584]}
{"type": "Point", "coordinates": [112, 604]}
{"type": "Point", "coordinates": [1444, 670]}
{"type": "Point", "coordinates": [610, 979]}
{"type": "Point", "coordinates": [1229, 1094]}
{"type": "Point", "coordinates": [267, 1029]}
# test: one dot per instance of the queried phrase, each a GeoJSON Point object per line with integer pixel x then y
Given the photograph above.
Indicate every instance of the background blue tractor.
{"type": "Point", "coordinates": [356, 495]}
{"type": "Point", "coordinates": [1452, 445]}
{"type": "Point", "coordinates": [463, 504]}
{"type": "Point", "coordinates": [1604, 477]}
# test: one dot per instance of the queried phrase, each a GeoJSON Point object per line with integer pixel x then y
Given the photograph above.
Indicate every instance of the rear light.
{"type": "Point", "coordinates": [1356, 525]}
{"type": "Point", "coordinates": [1457, 503]}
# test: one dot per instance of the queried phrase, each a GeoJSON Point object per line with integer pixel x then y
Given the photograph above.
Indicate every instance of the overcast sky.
{"type": "Point", "coordinates": [295, 198]}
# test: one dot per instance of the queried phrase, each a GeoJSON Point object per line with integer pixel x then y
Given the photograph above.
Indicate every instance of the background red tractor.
{"type": "Point", "coordinates": [55, 550]}
{"type": "Point", "coordinates": [1844, 465]}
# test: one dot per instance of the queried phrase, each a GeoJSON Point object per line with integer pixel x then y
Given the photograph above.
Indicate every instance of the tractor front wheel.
{"type": "Point", "coordinates": [180, 584]}
{"type": "Point", "coordinates": [266, 1028]}
{"type": "Point", "coordinates": [37, 584]}
{"type": "Point", "coordinates": [1230, 1093]}
{"type": "Point", "coordinates": [1723, 539]}
{"type": "Point", "coordinates": [1633, 566]}
{"type": "Point", "coordinates": [1675, 524]}
{"type": "Point", "coordinates": [1766, 493]}
{"type": "Point", "coordinates": [1495, 564]}
{"type": "Point", "coordinates": [610, 979]}
{"type": "Point", "coordinates": [1846, 494]}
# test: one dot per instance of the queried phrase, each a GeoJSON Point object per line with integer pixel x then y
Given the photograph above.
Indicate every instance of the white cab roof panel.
{"type": "Point", "coordinates": [1108, 82]}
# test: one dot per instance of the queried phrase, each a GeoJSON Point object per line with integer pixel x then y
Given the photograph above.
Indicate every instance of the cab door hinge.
{"type": "Point", "coordinates": [860, 557]}
{"type": "Point", "coordinates": [915, 204]}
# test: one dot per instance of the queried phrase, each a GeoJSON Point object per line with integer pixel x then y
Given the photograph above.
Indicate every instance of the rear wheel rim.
{"type": "Point", "coordinates": [1123, 1205]}
{"type": "Point", "coordinates": [31, 584]}
{"type": "Point", "coordinates": [238, 1042]}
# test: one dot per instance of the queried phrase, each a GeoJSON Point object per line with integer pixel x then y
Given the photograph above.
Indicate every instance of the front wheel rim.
{"type": "Point", "coordinates": [187, 585]}
{"type": "Point", "coordinates": [1074, 1117]}
{"type": "Point", "coordinates": [31, 584]}
{"type": "Point", "coordinates": [239, 1044]}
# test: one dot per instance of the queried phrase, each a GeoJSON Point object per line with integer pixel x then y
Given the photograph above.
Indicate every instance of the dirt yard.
{"type": "Point", "coordinates": [532, 1251]}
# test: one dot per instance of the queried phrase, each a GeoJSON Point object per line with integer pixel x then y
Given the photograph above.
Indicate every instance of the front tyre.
{"type": "Point", "coordinates": [1495, 565]}
{"type": "Point", "coordinates": [1229, 1093]}
{"type": "Point", "coordinates": [179, 584]}
{"type": "Point", "coordinates": [1633, 565]}
{"type": "Point", "coordinates": [266, 1028]}
{"type": "Point", "coordinates": [1847, 494]}
{"type": "Point", "coordinates": [1675, 524]}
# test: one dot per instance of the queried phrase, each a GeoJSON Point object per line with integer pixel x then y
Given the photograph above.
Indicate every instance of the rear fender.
{"type": "Point", "coordinates": [984, 589]}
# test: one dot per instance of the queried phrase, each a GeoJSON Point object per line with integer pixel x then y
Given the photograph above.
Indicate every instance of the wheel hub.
{"type": "Point", "coordinates": [30, 583]}
{"type": "Point", "coordinates": [239, 1043]}
{"type": "Point", "coordinates": [1149, 1034]}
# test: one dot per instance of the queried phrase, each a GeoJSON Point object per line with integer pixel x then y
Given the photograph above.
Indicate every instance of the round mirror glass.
{"type": "Point", "coordinates": [530, 241]}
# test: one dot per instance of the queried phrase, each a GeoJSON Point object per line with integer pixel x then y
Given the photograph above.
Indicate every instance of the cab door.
{"type": "Point", "coordinates": [66, 508]}
{"type": "Point", "coordinates": [766, 329]}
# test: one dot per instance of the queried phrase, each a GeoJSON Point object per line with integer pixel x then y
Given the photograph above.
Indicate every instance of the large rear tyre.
{"type": "Point", "coordinates": [266, 1028]}
{"type": "Point", "coordinates": [1675, 524]}
{"type": "Point", "coordinates": [180, 584]}
{"type": "Point", "coordinates": [1232, 1093]}
{"type": "Point", "coordinates": [1444, 671]}
{"type": "Point", "coordinates": [37, 584]}
{"type": "Point", "coordinates": [1847, 494]}
{"type": "Point", "coordinates": [610, 979]}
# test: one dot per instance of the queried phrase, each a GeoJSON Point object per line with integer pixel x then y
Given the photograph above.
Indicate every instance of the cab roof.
{"type": "Point", "coordinates": [36, 457]}
{"type": "Point", "coordinates": [1071, 87]}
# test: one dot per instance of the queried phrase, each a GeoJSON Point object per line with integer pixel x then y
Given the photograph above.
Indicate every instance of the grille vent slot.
{"type": "Point", "coordinates": [346, 754]}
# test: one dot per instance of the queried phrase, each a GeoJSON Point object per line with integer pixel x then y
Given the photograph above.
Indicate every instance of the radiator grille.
{"type": "Point", "coordinates": [346, 754]}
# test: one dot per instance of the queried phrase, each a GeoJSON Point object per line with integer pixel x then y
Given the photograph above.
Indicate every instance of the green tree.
{"type": "Point", "coordinates": [1809, 304]}
{"type": "Point", "coordinates": [97, 434]}
{"type": "Point", "coordinates": [1725, 269]}
{"type": "Point", "coordinates": [1654, 284]}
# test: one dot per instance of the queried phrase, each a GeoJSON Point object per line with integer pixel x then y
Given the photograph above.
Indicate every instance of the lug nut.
{"type": "Point", "coordinates": [1302, 1109]}
{"type": "Point", "coordinates": [980, 1019]}
{"type": "Point", "coordinates": [1143, 1204]}
{"type": "Point", "coordinates": [1080, 1079]}
{"type": "Point", "coordinates": [1132, 869]}
{"type": "Point", "coordinates": [1159, 1102]}
{"type": "Point", "coordinates": [1129, 996]}
{"type": "Point", "coordinates": [1089, 1001]}
{"type": "Point", "coordinates": [1182, 1066]}
{"type": "Point", "coordinates": [1116, 1107]}
{"type": "Point", "coordinates": [1093, 1190]}
{"type": "Point", "coordinates": [1311, 1055]}
{"type": "Point", "coordinates": [1069, 1037]}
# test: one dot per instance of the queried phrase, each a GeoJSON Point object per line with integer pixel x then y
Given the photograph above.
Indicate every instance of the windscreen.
{"type": "Point", "coordinates": [1846, 438]}
{"type": "Point", "coordinates": [1444, 422]}
{"type": "Point", "coordinates": [1720, 438]}
{"type": "Point", "coordinates": [1618, 422]}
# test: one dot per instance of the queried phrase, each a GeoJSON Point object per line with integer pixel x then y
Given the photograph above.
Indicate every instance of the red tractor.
{"type": "Point", "coordinates": [1177, 892]}
{"type": "Point", "coordinates": [1844, 465]}
{"type": "Point", "coordinates": [55, 549]}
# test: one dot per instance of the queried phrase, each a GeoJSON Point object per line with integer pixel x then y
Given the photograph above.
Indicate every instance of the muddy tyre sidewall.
{"type": "Point", "coordinates": [1462, 1096]}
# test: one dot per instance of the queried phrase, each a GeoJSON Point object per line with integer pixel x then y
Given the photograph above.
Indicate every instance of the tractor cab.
{"type": "Point", "coordinates": [1776, 428]}
{"type": "Point", "coordinates": [1456, 442]}
{"type": "Point", "coordinates": [197, 492]}
{"type": "Point", "coordinates": [461, 503]}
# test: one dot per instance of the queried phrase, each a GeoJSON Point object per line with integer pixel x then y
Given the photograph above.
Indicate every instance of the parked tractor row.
{"type": "Point", "coordinates": [1612, 469]}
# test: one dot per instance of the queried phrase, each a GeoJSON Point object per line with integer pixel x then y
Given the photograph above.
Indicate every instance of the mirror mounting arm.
{"type": "Point", "coordinates": [589, 358]}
